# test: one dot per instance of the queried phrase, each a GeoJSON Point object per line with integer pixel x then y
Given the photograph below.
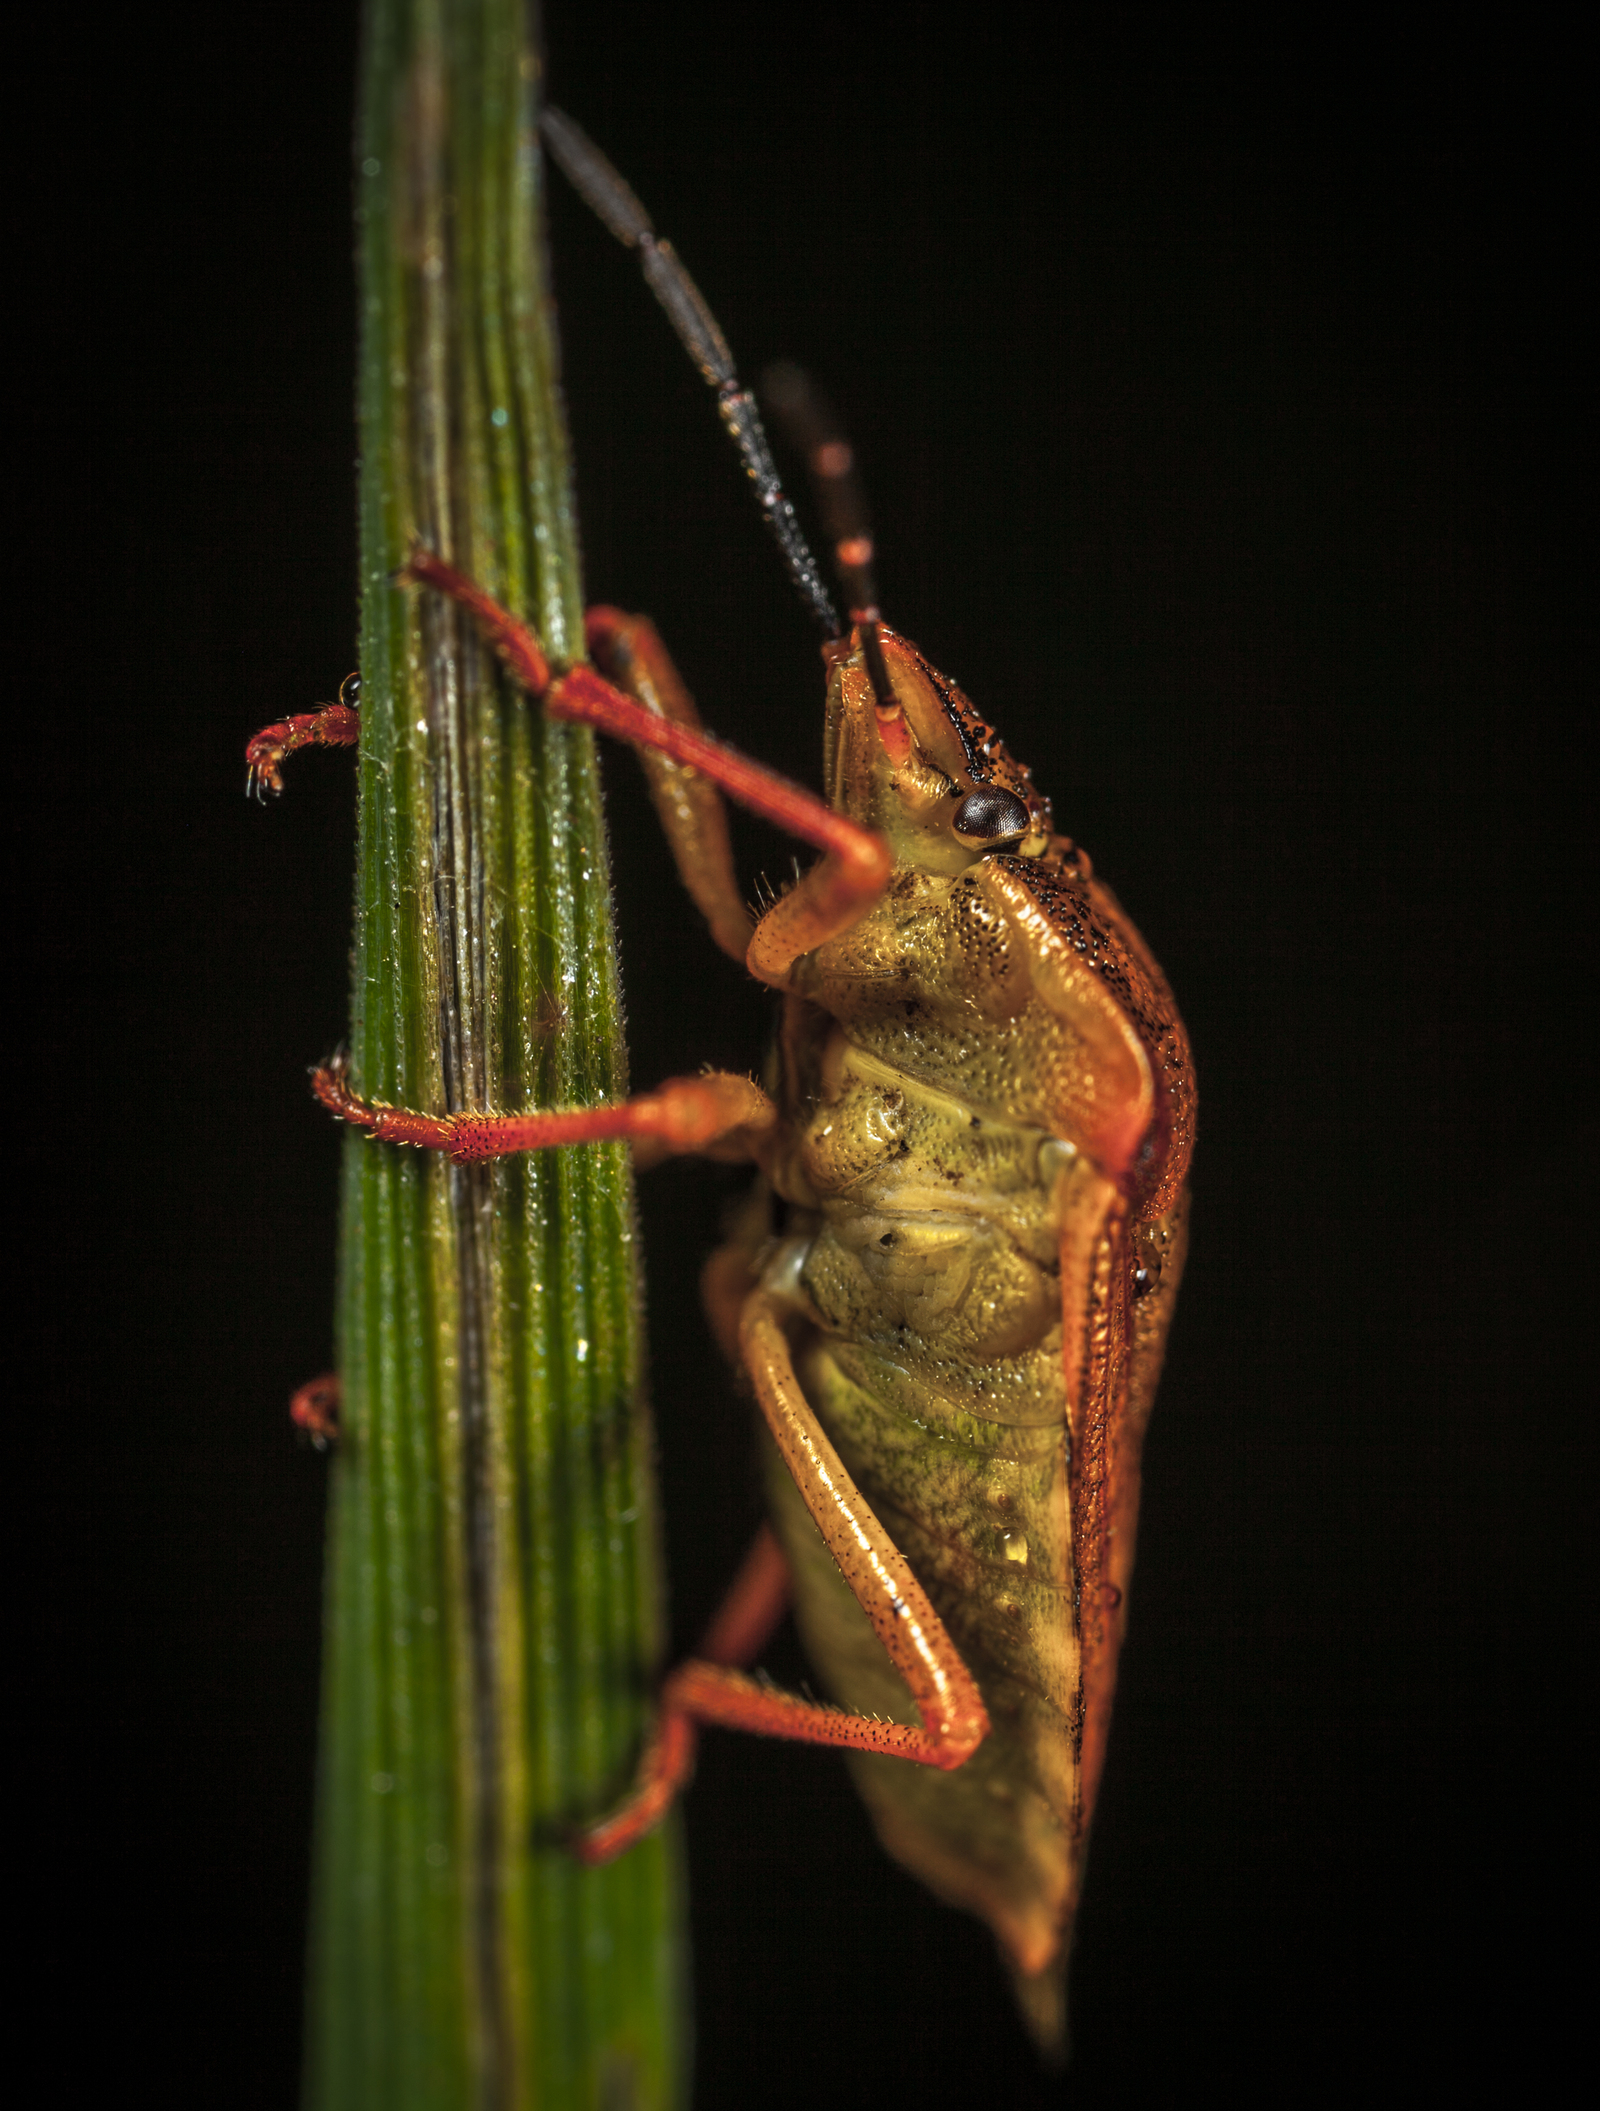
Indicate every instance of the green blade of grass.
{"type": "Point", "coordinates": [493, 1620]}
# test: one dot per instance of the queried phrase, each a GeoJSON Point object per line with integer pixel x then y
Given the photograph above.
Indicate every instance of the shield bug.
{"type": "Point", "coordinates": [952, 1289]}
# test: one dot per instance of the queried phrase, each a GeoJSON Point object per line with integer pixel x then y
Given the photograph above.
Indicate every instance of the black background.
{"type": "Point", "coordinates": [1218, 386]}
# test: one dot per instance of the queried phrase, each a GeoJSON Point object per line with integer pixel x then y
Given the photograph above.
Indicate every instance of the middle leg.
{"type": "Point", "coordinates": [628, 649]}
{"type": "Point", "coordinates": [715, 1116]}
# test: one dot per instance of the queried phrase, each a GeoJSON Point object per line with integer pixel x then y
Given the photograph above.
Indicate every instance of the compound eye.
{"type": "Point", "coordinates": [990, 820]}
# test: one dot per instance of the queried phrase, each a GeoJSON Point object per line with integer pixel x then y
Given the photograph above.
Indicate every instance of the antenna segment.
{"type": "Point", "coordinates": [610, 199]}
{"type": "Point", "coordinates": [808, 418]}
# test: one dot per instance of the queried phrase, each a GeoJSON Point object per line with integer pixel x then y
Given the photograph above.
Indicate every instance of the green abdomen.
{"type": "Point", "coordinates": [930, 1347]}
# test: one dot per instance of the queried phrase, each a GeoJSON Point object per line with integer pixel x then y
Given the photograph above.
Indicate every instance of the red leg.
{"type": "Point", "coordinates": [754, 1605]}
{"type": "Point", "coordinates": [716, 1116]}
{"type": "Point", "coordinates": [954, 1721]}
{"type": "Point", "coordinates": [710, 1689]}
{"type": "Point", "coordinates": [856, 862]}
{"type": "Point", "coordinates": [757, 1599]}
{"type": "Point", "coordinates": [628, 650]}
{"type": "Point", "coordinates": [330, 726]}
{"type": "Point", "coordinates": [659, 722]}
{"type": "Point", "coordinates": [315, 1409]}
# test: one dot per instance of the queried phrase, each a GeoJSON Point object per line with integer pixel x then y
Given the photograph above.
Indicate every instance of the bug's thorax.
{"type": "Point", "coordinates": [996, 966]}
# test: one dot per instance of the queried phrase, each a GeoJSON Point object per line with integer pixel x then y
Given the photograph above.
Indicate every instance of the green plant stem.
{"type": "Point", "coordinates": [493, 1619]}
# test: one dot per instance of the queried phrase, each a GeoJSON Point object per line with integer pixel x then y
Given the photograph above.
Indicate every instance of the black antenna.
{"type": "Point", "coordinates": [610, 199]}
{"type": "Point", "coordinates": [807, 417]}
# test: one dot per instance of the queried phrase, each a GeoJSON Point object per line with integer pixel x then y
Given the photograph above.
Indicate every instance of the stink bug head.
{"type": "Point", "coordinates": [927, 772]}
{"type": "Point", "coordinates": [907, 754]}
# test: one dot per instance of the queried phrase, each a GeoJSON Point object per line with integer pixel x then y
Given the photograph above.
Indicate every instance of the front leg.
{"type": "Point", "coordinates": [329, 726]}
{"type": "Point", "coordinates": [836, 893]}
{"type": "Point", "coordinates": [684, 764]}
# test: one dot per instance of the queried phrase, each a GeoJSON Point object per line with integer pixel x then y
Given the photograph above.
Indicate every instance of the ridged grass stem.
{"type": "Point", "coordinates": [493, 1593]}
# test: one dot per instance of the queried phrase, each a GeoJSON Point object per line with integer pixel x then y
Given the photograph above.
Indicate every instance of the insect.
{"type": "Point", "coordinates": [952, 1289]}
